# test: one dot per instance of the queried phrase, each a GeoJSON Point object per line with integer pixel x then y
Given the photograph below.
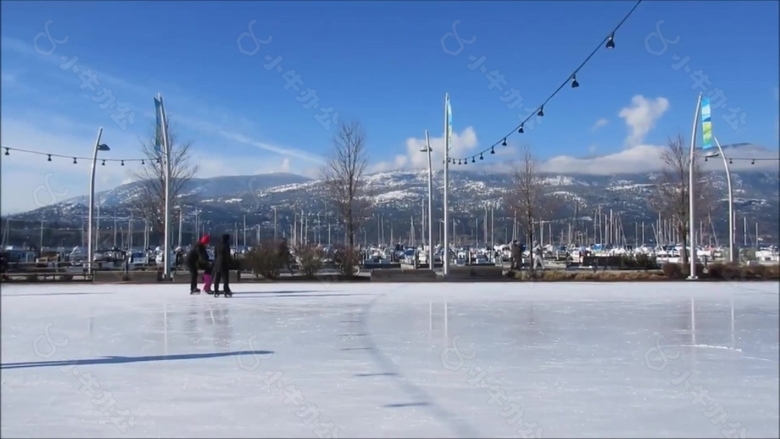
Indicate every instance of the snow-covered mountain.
{"type": "Point", "coordinates": [398, 195]}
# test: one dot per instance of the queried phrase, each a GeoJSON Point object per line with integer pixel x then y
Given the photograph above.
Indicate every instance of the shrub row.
{"type": "Point", "coordinates": [668, 271]}
{"type": "Point", "coordinates": [265, 261]}
{"type": "Point", "coordinates": [724, 272]}
{"type": "Point", "coordinates": [584, 276]}
{"type": "Point", "coordinates": [639, 261]}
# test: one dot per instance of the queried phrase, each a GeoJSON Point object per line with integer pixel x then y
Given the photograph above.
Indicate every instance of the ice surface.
{"type": "Point", "coordinates": [580, 360]}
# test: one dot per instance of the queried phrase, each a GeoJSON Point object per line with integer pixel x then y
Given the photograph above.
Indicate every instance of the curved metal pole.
{"type": "Point", "coordinates": [167, 181]}
{"type": "Point", "coordinates": [731, 200]}
{"type": "Point", "coordinates": [92, 202]}
{"type": "Point", "coordinates": [431, 263]}
{"type": "Point", "coordinates": [692, 195]}
{"type": "Point", "coordinates": [445, 206]}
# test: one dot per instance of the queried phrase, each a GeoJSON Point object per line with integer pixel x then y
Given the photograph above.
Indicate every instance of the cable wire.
{"type": "Point", "coordinates": [8, 150]}
{"type": "Point", "coordinates": [609, 40]}
{"type": "Point", "coordinates": [768, 159]}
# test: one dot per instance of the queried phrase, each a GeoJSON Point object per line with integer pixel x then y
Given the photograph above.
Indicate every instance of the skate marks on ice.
{"type": "Point", "coordinates": [357, 322]}
{"type": "Point", "coordinates": [659, 357]}
{"type": "Point", "coordinates": [75, 293]}
{"type": "Point", "coordinates": [512, 413]}
{"type": "Point", "coordinates": [291, 294]}
{"type": "Point", "coordinates": [293, 397]}
{"type": "Point", "coordinates": [46, 347]}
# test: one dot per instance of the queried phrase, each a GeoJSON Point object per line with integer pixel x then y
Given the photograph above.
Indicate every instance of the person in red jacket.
{"type": "Point", "coordinates": [197, 257]}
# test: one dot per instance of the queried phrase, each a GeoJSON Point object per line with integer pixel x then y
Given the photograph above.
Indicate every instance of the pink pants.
{"type": "Point", "coordinates": [206, 282]}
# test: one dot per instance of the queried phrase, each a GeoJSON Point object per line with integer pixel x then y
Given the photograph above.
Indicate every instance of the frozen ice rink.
{"type": "Point", "coordinates": [368, 360]}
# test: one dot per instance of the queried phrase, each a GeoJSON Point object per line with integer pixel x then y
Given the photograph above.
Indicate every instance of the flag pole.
{"type": "Point", "coordinates": [692, 195]}
{"type": "Point", "coordinates": [446, 244]}
{"type": "Point", "coordinates": [167, 171]}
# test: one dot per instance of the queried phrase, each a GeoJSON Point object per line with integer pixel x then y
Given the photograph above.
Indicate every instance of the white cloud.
{"type": "Point", "coordinates": [34, 126]}
{"type": "Point", "coordinates": [26, 48]}
{"type": "Point", "coordinates": [463, 144]}
{"type": "Point", "coordinates": [641, 116]}
{"type": "Point", "coordinates": [289, 152]}
{"type": "Point", "coordinates": [641, 158]}
{"type": "Point", "coordinates": [644, 158]}
{"type": "Point", "coordinates": [196, 114]}
{"type": "Point", "coordinates": [211, 167]}
{"type": "Point", "coordinates": [7, 78]}
{"type": "Point", "coordinates": [30, 181]}
{"type": "Point", "coordinates": [600, 123]}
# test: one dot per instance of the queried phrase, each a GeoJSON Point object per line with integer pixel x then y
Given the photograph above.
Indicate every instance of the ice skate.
{"type": "Point", "coordinates": [207, 284]}
{"type": "Point", "coordinates": [195, 291]}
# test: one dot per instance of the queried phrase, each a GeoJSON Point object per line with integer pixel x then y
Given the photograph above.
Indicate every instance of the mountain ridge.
{"type": "Point", "coordinates": [397, 196]}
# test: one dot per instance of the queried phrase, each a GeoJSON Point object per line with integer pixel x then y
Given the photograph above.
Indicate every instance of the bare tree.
{"type": "Point", "coordinates": [528, 200]}
{"type": "Point", "coordinates": [345, 186]}
{"type": "Point", "coordinates": [151, 177]}
{"type": "Point", "coordinates": [670, 196]}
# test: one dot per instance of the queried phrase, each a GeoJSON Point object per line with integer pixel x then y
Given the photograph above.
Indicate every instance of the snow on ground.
{"type": "Point", "coordinates": [305, 360]}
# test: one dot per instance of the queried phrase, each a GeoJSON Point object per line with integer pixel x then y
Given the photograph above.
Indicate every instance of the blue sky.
{"type": "Point", "coordinates": [381, 63]}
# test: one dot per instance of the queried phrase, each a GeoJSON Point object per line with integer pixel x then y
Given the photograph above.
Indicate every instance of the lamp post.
{"type": "Point", "coordinates": [98, 147]}
{"type": "Point", "coordinates": [319, 229]}
{"type": "Point", "coordinates": [427, 149]}
{"type": "Point", "coordinates": [302, 238]}
{"type": "Point", "coordinates": [275, 235]}
{"type": "Point", "coordinates": [731, 196]}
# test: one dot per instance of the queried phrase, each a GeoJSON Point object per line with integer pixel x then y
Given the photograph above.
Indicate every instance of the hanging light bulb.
{"type": "Point", "coordinates": [753, 162]}
{"type": "Point", "coordinates": [492, 150]}
{"type": "Point", "coordinates": [705, 159]}
{"type": "Point", "coordinates": [49, 158]}
{"type": "Point", "coordinates": [104, 163]}
{"type": "Point", "coordinates": [730, 162]}
{"type": "Point", "coordinates": [611, 41]}
{"type": "Point", "coordinates": [574, 83]}
{"type": "Point", "coordinates": [458, 161]}
{"type": "Point", "coordinates": [521, 129]}
{"type": "Point", "coordinates": [143, 162]}
{"type": "Point", "coordinates": [504, 142]}
{"type": "Point", "coordinates": [473, 160]}
{"type": "Point", "coordinates": [6, 152]}
{"type": "Point", "coordinates": [74, 160]}
{"type": "Point", "coordinates": [541, 111]}
{"type": "Point", "coordinates": [465, 161]}
{"type": "Point", "coordinates": [480, 157]}
{"type": "Point", "coordinates": [158, 161]}
{"type": "Point", "coordinates": [123, 162]}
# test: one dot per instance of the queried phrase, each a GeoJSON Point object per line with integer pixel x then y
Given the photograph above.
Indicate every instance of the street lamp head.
{"type": "Point", "coordinates": [425, 149]}
{"type": "Point", "coordinates": [712, 155]}
{"type": "Point", "coordinates": [103, 147]}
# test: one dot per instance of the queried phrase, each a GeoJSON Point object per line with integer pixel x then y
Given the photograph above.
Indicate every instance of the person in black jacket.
{"type": "Point", "coordinates": [197, 257]}
{"type": "Point", "coordinates": [222, 263]}
{"type": "Point", "coordinates": [517, 256]}
{"type": "Point", "coordinates": [284, 256]}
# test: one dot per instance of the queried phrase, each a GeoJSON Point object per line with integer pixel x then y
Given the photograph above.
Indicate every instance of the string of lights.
{"type": "Point", "coordinates": [49, 156]}
{"type": "Point", "coordinates": [608, 42]}
{"type": "Point", "coordinates": [752, 160]}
